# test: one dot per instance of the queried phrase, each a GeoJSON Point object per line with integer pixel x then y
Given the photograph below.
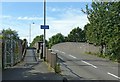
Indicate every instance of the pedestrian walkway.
{"type": "Point", "coordinates": [30, 69]}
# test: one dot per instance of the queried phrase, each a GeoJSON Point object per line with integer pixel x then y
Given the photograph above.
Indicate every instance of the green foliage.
{"type": "Point", "coordinates": [37, 39]}
{"type": "Point", "coordinates": [104, 27]}
{"type": "Point", "coordinates": [1, 36]}
{"type": "Point", "coordinates": [58, 38]}
{"type": "Point", "coordinates": [57, 68]}
{"type": "Point", "coordinates": [76, 35]}
{"type": "Point", "coordinates": [10, 34]}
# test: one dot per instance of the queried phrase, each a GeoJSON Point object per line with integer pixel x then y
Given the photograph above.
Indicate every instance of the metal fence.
{"type": "Point", "coordinates": [13, 51]}
{"type": "Point", "coordinates": [12, 55]}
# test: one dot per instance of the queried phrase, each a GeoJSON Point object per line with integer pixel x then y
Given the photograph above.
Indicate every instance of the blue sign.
{"type": "Point", "coordinates": [44, 26]}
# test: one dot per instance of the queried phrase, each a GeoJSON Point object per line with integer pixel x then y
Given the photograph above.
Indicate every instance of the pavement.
{"type": "Point", "coordinates": [30, 69]}
{"type": "Point", "coordinates": [80, 66]}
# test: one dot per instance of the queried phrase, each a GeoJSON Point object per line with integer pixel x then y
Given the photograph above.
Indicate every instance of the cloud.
{"type": "Point", "coordinates": [25, 18]}
{"type": "Point", "coordinates": [70, 19]}
{"type": "Point", "coordinates": [64, 26]}
{"type": "Point", "coordinates": [29, 18]}
{"type": "Point", "coordinates": [67, 9]}
{"type": "Point", "coordinates": [5, 16]}
{"type": "Point", "coordinates": [52, 9]}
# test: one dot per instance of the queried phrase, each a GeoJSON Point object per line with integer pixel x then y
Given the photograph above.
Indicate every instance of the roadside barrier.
{"type": "Point", "coordinates": [52, 59]}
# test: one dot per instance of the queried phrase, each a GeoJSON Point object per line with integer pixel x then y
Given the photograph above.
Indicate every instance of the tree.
{"type": "Point", "coordinates": [37, 39]}
{"type": "Point", "coordinates": [58, 38]}
{"type": "Point", "coordinates": [103, 28]}
{"type": "Point", "coordinates": [10, 34]}
{"type": "Point", "coordinates": [76, 35]}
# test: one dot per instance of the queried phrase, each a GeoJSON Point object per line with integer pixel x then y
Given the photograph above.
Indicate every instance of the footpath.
{"type": "Point", "coordinates": [30, 69]}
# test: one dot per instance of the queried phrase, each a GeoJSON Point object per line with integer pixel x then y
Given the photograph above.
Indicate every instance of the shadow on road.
{"type": "Point", "coordinates": [29, 72]}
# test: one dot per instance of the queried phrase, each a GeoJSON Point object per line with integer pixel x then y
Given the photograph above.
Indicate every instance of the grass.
{"type": "Point", "coordinates": [1, 36]}
{"type": "Point", "coordinates": [103, 56]}
{"type": "Point", "coordinates": [57, 68]}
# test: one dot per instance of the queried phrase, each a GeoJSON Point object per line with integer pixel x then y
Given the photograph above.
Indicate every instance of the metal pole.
{"type": "Point", "coordinates": [11, 40]}
{"type": "Point", "coordinates": [5, 54]}
{"type": "Point", "coordinates": [29, 34]}
{"type": "Point", "coordinates": [44, 45]}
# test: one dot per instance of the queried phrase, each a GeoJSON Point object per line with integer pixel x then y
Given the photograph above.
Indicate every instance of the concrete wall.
{"type": "Point", "coordinates": [77, 47]}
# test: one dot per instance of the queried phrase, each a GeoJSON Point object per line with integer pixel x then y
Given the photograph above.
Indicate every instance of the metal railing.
{"type": "Point", "coordinates": [13, 51]}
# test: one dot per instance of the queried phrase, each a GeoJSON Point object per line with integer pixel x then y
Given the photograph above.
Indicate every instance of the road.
{"type": "Point", "coordinates": [84, 66]}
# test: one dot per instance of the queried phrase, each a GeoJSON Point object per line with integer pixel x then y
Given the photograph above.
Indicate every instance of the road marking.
{"type": "Point", "coordinates": [64, 63]}
{"type": "Point", "coordinates": [72, 56]}
{"type": "Point", "coordinates": [89, 64]}
{"type": "Point", "coordinates": [63, 52]}
{"type": "Point", "coordinates": [113, 75]}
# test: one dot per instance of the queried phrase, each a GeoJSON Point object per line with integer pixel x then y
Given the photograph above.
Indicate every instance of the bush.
{"type": "Point", "coordinates": [57, 68]}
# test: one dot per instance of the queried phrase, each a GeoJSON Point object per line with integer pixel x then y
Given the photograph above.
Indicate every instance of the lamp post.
{"type": "Point", "coordinates": [30, 34]}
{"type": "Point", "coordinates": [44, 27]}
{"type": "Point", "coordinates": [44, 44]}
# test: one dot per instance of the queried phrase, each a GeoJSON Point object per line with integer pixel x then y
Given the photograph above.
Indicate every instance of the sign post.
{"type": "Point", "coordinates": [44, 27]}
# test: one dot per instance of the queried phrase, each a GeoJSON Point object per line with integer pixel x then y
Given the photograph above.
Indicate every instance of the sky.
{"type": "Point", "coordinates": [61, 17]}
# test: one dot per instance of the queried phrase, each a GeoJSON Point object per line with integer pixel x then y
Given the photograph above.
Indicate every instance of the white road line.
{"type": "Point", "coordinates": [72, 56]}
{"type": "Point", "coordinates": [63, 52]}
{"type": "Point", "coordinates": [89, 64]}
{"type": "Point", "coordinates": [64, 63]}
{"type": "Point", "coordinates": [113, 75]}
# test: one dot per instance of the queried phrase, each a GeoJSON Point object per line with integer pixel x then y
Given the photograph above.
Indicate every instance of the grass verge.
{"type": "Point", "coordinates": [104, 56]}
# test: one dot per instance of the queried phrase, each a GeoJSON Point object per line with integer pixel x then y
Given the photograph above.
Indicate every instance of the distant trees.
{"type": "Point", "coordinates": [37, 39]}
{"type": "Point", "coordinates": [58, 38]}
{"type": "Point", "coordinates": [76, 35]}
{"type": "Point", "coordinates": [104, 27]}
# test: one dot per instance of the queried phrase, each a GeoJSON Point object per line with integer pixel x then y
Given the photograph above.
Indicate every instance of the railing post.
{"type": "Point", "coordinates": [5, 58]}
{"type": "Point", "coordinates": [54, 59]}
{"type": "Point", "coordinates": [11, 53]}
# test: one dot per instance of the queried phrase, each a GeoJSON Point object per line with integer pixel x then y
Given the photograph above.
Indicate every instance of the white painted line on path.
{"type": "Point", "coordinates": [89, 64]}
{"type": "Point", "coordinates": [113, 75]}
{"type": "Point", "coordinates": [72, 56]}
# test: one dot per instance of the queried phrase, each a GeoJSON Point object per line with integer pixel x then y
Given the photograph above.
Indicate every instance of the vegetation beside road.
{"type": "Point", "coordinates": [103, 28]}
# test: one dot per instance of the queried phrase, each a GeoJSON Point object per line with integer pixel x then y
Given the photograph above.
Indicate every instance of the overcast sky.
{"type": "Point", "coordinates": [62, 17]}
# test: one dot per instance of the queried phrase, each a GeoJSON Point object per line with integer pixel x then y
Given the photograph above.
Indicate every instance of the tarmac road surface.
{"type": "Point", "coordinates": [84, 66]}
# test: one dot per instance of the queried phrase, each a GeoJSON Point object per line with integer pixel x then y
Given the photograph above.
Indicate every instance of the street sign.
{"type": "Point", "coordinates": [44, 26]}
